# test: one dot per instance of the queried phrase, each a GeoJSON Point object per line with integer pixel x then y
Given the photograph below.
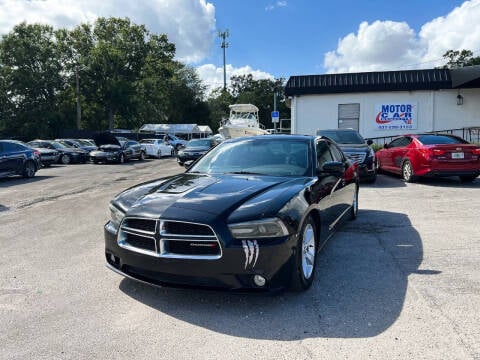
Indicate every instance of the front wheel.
{"type": "Point", "coordinates": [121, 158]}
{"type": "Point", "coordinates": [29, 169]}
{"type": "Point", "coordinates": [142, 156]}
{"type": "Point", "coordinates": [407, 172]}
{"type": "Point", "coordinates": [305, 256]}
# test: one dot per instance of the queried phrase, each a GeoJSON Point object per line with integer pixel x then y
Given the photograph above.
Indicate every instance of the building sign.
{"type": "Point", "coordinates": [396, 116]}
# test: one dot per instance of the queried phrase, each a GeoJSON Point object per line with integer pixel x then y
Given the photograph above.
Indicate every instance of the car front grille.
{"type": "Point", "coordinates": [169, 239]}
{"type": "Point", "coordinates": [357, 157]}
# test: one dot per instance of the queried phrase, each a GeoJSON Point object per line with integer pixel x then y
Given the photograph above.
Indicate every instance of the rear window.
{"type": "Point", "coordinates": [440, 139]}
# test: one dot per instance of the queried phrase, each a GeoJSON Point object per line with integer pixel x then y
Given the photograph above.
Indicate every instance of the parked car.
{"type": "Point", "coordinates": [67, 154]}
{"type": "Point", "coordinates": [157, 148]}
{"type": "Point", "coordinates": [419, 155]}
{"type": "Point", "coordinates": [47, 156]}
{"type": "Point", "coordinates": [77, 143]}
{"type": "Point", "coordinates": [252, 213]}
{"type": "Point", "coordinates": [18, 159]}
{"type": "Point", "coordinates": [175, 141]}
{"type": "Point", "coordinates": [356, 148]}
{"type": "Point", "coordinates": [113, 149]}
{"type": "Point", "coordinates": [194, 149]}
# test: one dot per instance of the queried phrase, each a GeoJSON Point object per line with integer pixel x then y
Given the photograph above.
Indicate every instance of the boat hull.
{"type": "Point", "coordinates": [231, 132]}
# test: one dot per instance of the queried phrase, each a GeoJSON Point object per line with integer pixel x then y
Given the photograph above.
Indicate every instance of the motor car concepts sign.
{"type": "Point", "coordinates": [396, 116]}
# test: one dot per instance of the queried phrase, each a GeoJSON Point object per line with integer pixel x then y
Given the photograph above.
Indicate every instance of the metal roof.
{"type": "Point", "coordinates": [405, 80]}
{"type": "Point", "coordinates": [175, 128]}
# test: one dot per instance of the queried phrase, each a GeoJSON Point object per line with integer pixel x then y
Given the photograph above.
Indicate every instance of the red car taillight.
{"type": "Point", "coordinates": [476, 151]}
{"type": "Point", "coordinates": [438, 152]}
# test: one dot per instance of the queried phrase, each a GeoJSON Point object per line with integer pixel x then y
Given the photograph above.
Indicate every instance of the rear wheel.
{"type": "Point", "coordinates": [305, 256]}
{"type": "Point", "coordinates": [142, 156]}
{"type": "Point", "coordinates": [407, 172]}
{"type": "Point", "coordinates": [121, 158]}
{"type": "Point", "coordinates": [65, 159]}
{"type": "Point", "coordinates": [29, 169]}
{"type": "Point", "coordinates": [467, 178]}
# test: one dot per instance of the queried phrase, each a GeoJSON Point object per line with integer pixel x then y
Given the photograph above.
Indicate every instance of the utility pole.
{"type": "Point", "coordinates": [224, 35]}
{"type": "Point", "coordinates": [275, 109]}
{"type": "Point", "coordinates": [79, 109]}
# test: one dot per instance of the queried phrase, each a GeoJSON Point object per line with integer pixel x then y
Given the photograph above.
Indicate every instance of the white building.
{"type": "Point", "coordinates": [386, 104]}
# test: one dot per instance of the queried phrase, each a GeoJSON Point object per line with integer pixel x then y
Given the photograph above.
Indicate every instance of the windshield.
{"type": "Point", "coordinates": [147, 141]}
{"type": "Point", "coordinates": [264, 156]}
{"type": "Point", "coordinates": [440, 139]}
{"type": "Point", "coordinates": [343, 137]}
{"type": "Point", "coordinates": [199, 143]}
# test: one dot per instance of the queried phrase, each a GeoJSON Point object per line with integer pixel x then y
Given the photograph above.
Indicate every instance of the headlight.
{"type": "Point", "coordinates": [116, 215]}
{"type": "Point", "coordinates": [258, 229]}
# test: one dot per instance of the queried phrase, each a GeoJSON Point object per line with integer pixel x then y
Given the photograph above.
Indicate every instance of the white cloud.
{"type": "Point", "coordinates": [212, 76]}
{"type": "Point", "coordinates": [190, 24]}
{"type": "Point", "coordinates": [389, 45]}
{"type": "Point", "coordinates": [278, 4]}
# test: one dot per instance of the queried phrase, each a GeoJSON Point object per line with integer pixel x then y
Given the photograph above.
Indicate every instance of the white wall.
{"type": "Point", "coordinates": [436, 110]}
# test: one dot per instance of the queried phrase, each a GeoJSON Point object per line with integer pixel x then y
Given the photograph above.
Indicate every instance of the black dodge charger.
{"type": "Point", "coordinates": [251, 214]}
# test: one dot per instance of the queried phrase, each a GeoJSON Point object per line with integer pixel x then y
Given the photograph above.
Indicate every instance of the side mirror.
{"type": "Point", "coordinates": [369, 142]}
{"type": "Point", "coordinates": [333, 167]}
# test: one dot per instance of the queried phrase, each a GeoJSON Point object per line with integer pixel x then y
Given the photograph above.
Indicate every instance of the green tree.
{"type": "Point", "coordinates": [32, 78]}
{"type": "Point", "coordinates": [457, 59]}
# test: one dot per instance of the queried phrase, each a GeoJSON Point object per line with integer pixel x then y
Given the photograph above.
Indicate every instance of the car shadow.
{"type": "Point", "coordinates": [15, 180]}
{"type": "Point", "coordinates": [385, 181]}
{"type": "Point", "coordinates": [359, 289]}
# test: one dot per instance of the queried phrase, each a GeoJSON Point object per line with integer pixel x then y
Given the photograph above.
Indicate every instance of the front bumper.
{"type": "Point", "coordinates": [230, 271]}
{"type": "Point", "coordinates": [104, 157]}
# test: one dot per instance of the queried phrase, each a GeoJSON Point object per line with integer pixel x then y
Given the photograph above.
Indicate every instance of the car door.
{"type": "Point", "coordinates": [388, 153]}
{"type": "Point", "coordinates": [345, 186]}
{"type": "Point", "coordinates": [399, 153]}
{"type": "Point", "coordinates": [129, 149]}
{"type": "Point", "coordinates": [11, 158]}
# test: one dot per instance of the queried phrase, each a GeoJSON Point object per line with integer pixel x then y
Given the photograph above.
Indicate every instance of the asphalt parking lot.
{"type": "Point", "coordinates": [400, 282]}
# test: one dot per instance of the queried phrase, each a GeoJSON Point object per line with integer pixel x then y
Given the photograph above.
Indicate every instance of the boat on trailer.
{"type": "Point", "coordinates": [243, 121]}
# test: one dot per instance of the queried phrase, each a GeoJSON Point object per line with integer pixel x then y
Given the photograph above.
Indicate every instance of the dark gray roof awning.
{"type": "Point", "coordinates": [405, 80]}
{"type": "Point", "coordinates": [468, 76]}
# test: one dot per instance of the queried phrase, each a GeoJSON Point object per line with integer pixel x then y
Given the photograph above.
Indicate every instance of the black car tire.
{"type": "Point", "coordinates": [407, 172]}
{"type": "Point", "coordinates": [29, 169]}
{"type": "Point", "coordinates": [65, 159]}
{"type": "Point", "coordinates": [141, 156]}
{"type": "Point", "coordinates": [468, 178]}
{"type": "Point", "coordinates": [95, 161]}
{"type": "Point", "coordinates": [354, 208]}
{"type": "Point", "coordinates": [180, 163]}
{"type": "Point", "coordinates": [172, 153]}
{"type": "Point", "coordinates": [305, 256]}
{"type": "Point", "coordinates": [121, 158]}
{"type": "Point", "coordinates": [159, 154]}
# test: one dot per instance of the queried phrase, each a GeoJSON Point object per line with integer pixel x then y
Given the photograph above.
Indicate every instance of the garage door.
{"type": "Point", "coordinates": [348, 116]}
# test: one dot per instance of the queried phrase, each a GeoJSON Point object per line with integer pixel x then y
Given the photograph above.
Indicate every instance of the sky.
{"type": "Point", "coordinates": [281, 38]}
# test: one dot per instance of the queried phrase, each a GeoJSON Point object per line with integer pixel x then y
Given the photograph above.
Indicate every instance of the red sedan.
{"type": "Point", "coordinates": [418, 155]}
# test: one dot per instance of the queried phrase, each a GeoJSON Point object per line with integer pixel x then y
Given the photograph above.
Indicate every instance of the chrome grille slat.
{"type": "Point", "coordinates": [357, 157]}
{"type": "Point", "coordinates": [168, 238]}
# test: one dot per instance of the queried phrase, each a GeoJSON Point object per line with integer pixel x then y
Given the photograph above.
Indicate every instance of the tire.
{"type": "Point", "coordinates": [180, 163]}
{"type": "Point", "coordinates": [121, 158]}
{"type": "Point", "coordinates": [371, 179]}
{"type": "Point", "coordinates": [65, 159]}
{"type": "Point", "coordinates": [95, 161]}
{"type": "Point", "coordinates": [142, 156]}
{"type": "Point", "coordinates": [159, 154]}
{"type": "Point", "coordinates": [305, 256]}
{"type": "Point", "coordinates": [354, 208]}
{"type": "Point", "coordinates": [407, 172]}
{"type": "Point", "coordinates": [29, 169]}
{"type": "Point", "coordinates": [172, 153]}
{"type": "Point", "coordinates": [467, 178]}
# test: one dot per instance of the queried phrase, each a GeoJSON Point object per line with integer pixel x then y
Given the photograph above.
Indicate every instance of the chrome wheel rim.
{"type": "Point", "coordinates": [65, 159]}
{"type": "Point", "coordinates": [308, 251]}
{"type": "Point", "coordinates": [407, 171]}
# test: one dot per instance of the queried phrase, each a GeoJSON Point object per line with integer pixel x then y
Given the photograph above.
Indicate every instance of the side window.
{"type": "Point", "coordinates": [131, 143]}
{"type": "Point", "coordinates": [323, 154]}
{"type": "Point", "coordinates": [396, 143]}
{"type": "Point", "coordinates": [8, 147]}
{"type": "Point", "coordinates": [337, 153]}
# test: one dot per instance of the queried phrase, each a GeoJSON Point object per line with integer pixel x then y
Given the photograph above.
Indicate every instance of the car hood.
{"type": "Point", "coordinates": [198, 197]}
{"type": "Point", "coordinates": [196, 148]}
{"type": "Point", "coordinates": [106, 138]}
{"type": "Point", "coordinates": [42, 150]}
